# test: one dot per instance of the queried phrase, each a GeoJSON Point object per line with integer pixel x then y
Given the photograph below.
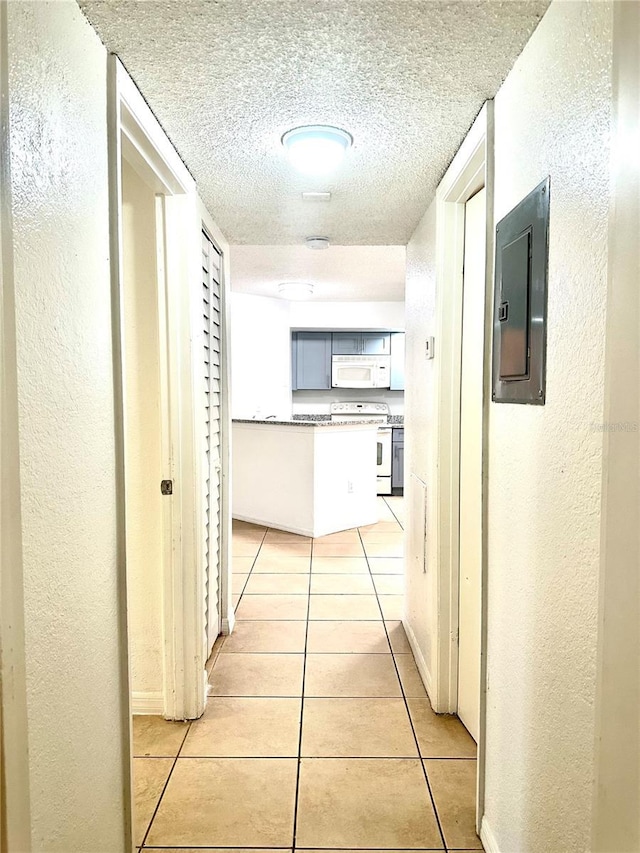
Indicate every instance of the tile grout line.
{"type": "Point", "coordinates": [390, 508]}
{"type": "Point", "coordinates": [164, 788]}
{"type": "Point", "coordinates": [253, 564]}
{"type": "Point", "coordinates": [304, 674]}
{"type": "Point", "coordinates": [406, 704]}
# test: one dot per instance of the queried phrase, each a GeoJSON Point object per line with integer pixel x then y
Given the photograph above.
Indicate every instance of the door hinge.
{"type": "Point", "coordinates": [166, 487]}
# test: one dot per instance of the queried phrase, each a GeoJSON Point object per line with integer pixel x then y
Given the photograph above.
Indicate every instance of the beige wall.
{"type": "Point", "coordinates": [142, 441]}
{"type": "Point", "coordinates": [75, 683]}
{"type": "Point", "coordinates": [552, 116]}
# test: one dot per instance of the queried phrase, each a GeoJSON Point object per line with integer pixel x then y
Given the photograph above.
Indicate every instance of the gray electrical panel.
{"type": "Point", "coordinates": [520, 302]}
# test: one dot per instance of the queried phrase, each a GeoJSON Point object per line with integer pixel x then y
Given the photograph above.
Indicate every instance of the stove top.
{"type": "Point", "coordinates": [353, 411]}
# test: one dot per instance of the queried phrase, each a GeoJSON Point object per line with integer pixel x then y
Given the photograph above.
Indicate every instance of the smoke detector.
{"type": "Point", "coordinates": [317, 242]}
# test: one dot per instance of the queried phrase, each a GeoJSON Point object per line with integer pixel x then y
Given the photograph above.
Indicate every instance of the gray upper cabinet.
{"type": "Point", "coordinates": [311, 361]}
{"type": "Point", "coordinates": [359, 343]}
{"type": "Point", "coordinates": [397, 362]}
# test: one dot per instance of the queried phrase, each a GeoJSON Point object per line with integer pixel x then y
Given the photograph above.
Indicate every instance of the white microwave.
{"type": "Point", "coordinates": [361, 371]}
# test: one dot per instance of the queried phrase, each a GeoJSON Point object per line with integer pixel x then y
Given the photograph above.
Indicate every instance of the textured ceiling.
{"type": "Point", "coordinates": [339, 273]}
{"type": "Point", "coordinates": [226, 78]}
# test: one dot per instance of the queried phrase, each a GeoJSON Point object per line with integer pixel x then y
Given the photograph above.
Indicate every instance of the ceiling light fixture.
{"type": "Point", "coordinates": [317, 242]}
{"type": "Point", "coordinates": [316, 149]}
{"type": "Point", "coordinates": [295, 289]}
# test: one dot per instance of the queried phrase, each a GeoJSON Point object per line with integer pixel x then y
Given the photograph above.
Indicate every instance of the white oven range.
{"type": "Point", "coordinates": [371, 412]}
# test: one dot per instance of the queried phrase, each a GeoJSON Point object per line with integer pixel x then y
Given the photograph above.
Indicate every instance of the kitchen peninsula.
{"type": "Point", "coordinates": [306, 477]}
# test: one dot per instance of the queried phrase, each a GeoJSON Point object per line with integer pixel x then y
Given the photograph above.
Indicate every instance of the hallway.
{"type": "Point", "coordinates": [317, 719]}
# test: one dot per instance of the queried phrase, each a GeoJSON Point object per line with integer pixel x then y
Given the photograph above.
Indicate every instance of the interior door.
{"type": "Point", "coordinates": [211, 265]}
{"type": "Point", "coordinates": [471, 464]}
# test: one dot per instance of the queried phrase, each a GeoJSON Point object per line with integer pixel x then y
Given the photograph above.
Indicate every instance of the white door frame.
{"type": "Point", "coordinates": [135, 134]}
{"type": "Point", "coordinates": [15, 823]}
{"type": "Point", "coordinates": [470, 170]}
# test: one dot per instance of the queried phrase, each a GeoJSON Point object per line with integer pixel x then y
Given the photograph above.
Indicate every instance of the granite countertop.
{"type": "Point", "coordinates": [392, 420]}
{"type": "Point", "coordinates": [306, 423]}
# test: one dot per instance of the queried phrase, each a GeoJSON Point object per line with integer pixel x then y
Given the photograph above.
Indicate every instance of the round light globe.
{"type": "Point", "coordinates": [316, 149]}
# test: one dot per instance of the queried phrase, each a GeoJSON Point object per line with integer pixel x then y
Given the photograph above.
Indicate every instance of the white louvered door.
{"type": "Point", "coordinates": [211, 265]}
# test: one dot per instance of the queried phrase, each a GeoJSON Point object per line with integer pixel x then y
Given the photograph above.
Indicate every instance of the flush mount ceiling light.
{"type": "Point", "coordinates": [316, 149]}
{"type": "Point", "coordinates": [317, 242]}
{"type": "Point", "coordinates": [295, 289]}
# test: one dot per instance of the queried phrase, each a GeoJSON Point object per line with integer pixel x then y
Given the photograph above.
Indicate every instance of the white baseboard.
{"type": "Point", "coordinates": [488, 838]}
{"type": "Point", "coordinates": [227, 624]}
{"type": "Point", "coordinates": [147, 702]}
{"type": "Point", "coordinates": [425, 675]}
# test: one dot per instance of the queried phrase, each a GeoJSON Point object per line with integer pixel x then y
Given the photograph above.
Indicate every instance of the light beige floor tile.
{"type": "Point", "coordinates": [215, 651]}
{"type": "Point", "coordinates": [286, 583]}
{"type": "Point", "coordinates": [337, 549]}
{"type": "Point", "coordinates": [156, 736]}
{"type": "Point", "coordinates": [286, 549]}
{"type": "Point", "coordinates": [240, 548]}
{"type": "Point", "coordinates": [386, 565]}
{"type": "Point", "coordinates": [282, 536]}
{"type": "Point", "coordinates": [453, 784]}
{"type": "Point", "coordinates": [341, 536]}
{"type": "Point", "coordinates": [440, 735]}
{"type": "Point", "coordinates": [339, 565]}
{"type": "Point", "coordinates": [235, 600]}
{"type": "Point", "coordinates": [227, 801]}
{"type": "Point", "coordinates": [311, 850]}
{"type": "Point", "coordinates": [273, 607]}
{"type": "Point", "coordinates": [248, 535]}
{"type": "Point", "coordinates": [352, 675]}
{"type": "Point", "coordinates": [357, 728]}
{"type": "Point", "coordinates": [383, 537]}
{"type": "Point", "coordinates": [347, 637]}
{"type": "Point", "coordinates": [398, 638]}
{"type": "Point", "coordinates": [382, 527]}
{"type": "Point", "coordinates": [392, 606]}
{"type": "Point", "coordinates": [410, 677]}
{"type": "Point", "coordinates": [237, 850]}
{"type": "Point", "coordinates": [267, 636]}
{"type": "Point", "coordinates": [149, 777]}
{"type": "Point", "coordinates": [257, 675]}
{"type": "Point", "coordinates": [344, 607]}
{"type": "Point", "coordinates": [355, 803]}
{"type": "Point", "coordinates": [384, 513]}
{"type": "Point", "coordinates": [236, 524]}
{"type": "Point", "coordinates": [237, 583]}
{"type": "Point", "coordinates": [322, 584]}
{"type": "Point", "coordinates": [247, 727]}
{"type": "Point", "coordinates": [389, 584]}
{"type": "Point", "coordinates": [281, 565]}
{"type": "Point", "coordinates": [241, 565]}
{"type": "Point", "coordinates": [384, 549]}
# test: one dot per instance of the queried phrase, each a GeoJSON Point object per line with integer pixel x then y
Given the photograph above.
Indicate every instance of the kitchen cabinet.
{"type": "Point", "coordinates": [311, 361]}
{"type": "Point", "coordinates": [359, 343]}
{"type": "Point", "coordinates": [397, 361]}
{"type": "Point", "coordinates": [397, 461]}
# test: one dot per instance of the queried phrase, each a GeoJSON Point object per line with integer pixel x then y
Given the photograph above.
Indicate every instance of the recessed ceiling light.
{"type": "Point", "coordinates": [316, 149]}
{"type": "Point", "coordinates": [317, 242]}
{"type": "Point", "coordinates": [316, 196]}
{"type": "Point", "coordinates": [295, 289]}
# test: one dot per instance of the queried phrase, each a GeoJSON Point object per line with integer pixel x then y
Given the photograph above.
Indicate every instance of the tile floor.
{"type": "Point", "coordinates": [318, 732]}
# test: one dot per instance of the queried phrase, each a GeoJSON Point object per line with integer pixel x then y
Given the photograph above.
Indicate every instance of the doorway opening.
{"type": "Point", "coordinates": [464, 216]}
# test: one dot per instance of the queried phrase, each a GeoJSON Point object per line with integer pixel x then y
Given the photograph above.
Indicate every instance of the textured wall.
{"type": "Point", "coordinates": [65, 379]}
{"type": "Point", "coordinates": [142, 438]}
{"type": "Point", "coordinates": [420, 437]}
{"type": "Point", "coordinates": [552, 116]}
